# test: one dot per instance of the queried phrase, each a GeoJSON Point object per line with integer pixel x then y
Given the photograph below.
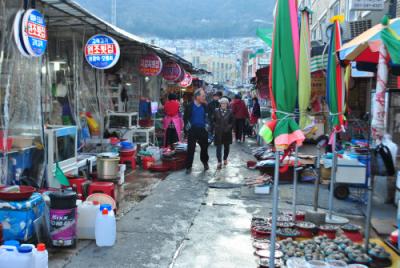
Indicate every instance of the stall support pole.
{"type": "Point", "coordinates": [296, 164]}
{"type": "Point", "coordinates": [275, 201]}
{"type": "Point", "coordinates": [317, 180]}
{"type": "Point", "coordinates": [333, 176]}
{"type": "Point", "coordinates": [369, 213]}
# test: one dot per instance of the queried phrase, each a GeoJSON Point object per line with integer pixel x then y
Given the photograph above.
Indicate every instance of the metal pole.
{"type": "Point", "coordinates": [274, 211]}
{"type": "Point", "coordinates": [296, 164]}
{"type": "Point", "coordinates": [369, 213]}
{"type": "Point", "coordinates": [333, 176]}
{"type": "Point", "coordinates": [317, 180]}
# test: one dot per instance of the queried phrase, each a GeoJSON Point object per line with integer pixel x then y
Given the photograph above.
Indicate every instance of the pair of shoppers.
{"type": "Point", "coordinates": [195, 125]}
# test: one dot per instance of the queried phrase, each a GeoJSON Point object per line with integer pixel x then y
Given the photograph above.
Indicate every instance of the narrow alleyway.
{"type": "Point", "coordinates": [198, 220]}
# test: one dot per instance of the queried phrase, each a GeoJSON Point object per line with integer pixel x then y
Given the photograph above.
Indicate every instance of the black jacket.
{"type": "Point", "coordinates": [256, 110]}
{"type": "Point", "coordinates": [187, 115]}
{"type": "Point", "coordinates": [223, 124]}
{"type": "Point", "coordinates": [211, 107]}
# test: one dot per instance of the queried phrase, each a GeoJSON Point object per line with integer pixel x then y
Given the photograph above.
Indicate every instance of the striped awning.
{"type": "Point", "coordinates": [319, 62]}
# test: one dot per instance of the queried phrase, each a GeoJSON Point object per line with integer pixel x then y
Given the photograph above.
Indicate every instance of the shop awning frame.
{"type": "Point", "coordinates": [71, 14]}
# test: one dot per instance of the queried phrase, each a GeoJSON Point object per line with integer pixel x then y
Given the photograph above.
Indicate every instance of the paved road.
{"type": "Point", "coordinates": [186, 223]}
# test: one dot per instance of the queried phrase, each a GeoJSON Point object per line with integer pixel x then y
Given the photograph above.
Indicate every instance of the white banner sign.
{"type": "Point", "coordinates": [367, 4]}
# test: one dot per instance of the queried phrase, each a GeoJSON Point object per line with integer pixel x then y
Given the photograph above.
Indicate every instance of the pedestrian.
{"type": "Point", "coordinates": [241, 114]}
{"type": "Point", "coordinates": [195, 125]}
{"type": "Point", "coordinates": [172, 122]}
{"type": "Point", "coordinates": [223, 122]}
{"type": "Point", "coordinates": [255, 114]}
{"type": "Point", "coordinates": [211, 107]}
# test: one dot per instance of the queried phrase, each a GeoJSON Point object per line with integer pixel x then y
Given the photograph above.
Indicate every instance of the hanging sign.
{"type": "Point", "coordinates": [150, 65]}
{"type": "Point", "coordinates": [102, 51]}
{"type": "Point", "coordinates": [367, 4]}
{"type": "Point", "coordinates": [187, 81]}
{"type": "Point", "coordinates": [181, 77]}
{"type": "Point", "coordinates": [19, 42]}
{"type": "Point", "coordinates": [34, 32]}
{"type": "Point", "coordinates": [171, 71]}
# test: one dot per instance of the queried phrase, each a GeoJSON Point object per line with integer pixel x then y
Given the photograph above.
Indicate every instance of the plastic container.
{"type": "Point", "coordinates": [41, 256]}
{"type": "Point", "coordinates": [147, 162]}
{"type": "Point", "coordinates": [87, 213]}
{"type": "Point", "coordinates": [7, 255]}
{"type": "Point", "coordinates": [23, 258]}
{"type": "Point", "coordinates": [106, 229]}
{"type": "Point", "coordinates": [63, 214]}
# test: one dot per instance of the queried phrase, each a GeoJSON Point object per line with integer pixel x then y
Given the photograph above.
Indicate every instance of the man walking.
{"type": "Point", "coordinates": [241, 114]}
{"type": "Point", "coordinates": [195, 125]}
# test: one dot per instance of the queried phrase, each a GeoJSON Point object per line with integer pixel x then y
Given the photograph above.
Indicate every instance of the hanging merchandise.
{"type": "Point", "coordinates": [171, 71]}
{"type": "Point", "coordinates": [187, 81]}
{"type": "Point", "coordinates": [34, 32]}
{"type": "Point", "coordinates": [150, 65]}
{"type": "Point", "coordinates": [102, 51]}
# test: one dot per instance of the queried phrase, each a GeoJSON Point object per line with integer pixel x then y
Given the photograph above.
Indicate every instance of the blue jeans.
{"type": "Point", "coordinates": [219, 152]}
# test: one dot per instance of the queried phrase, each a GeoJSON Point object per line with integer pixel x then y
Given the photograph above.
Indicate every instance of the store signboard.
{"type": "Point", "coordinates": [171, 71]}
{"type": "Point", "coordinates": [187, 81]}
{"type": "Point", "coordinates": [102, 51]}
{"type": "Point", "coordinates": [30, 33]}
{"type": "Point", "coordinates": [318, 86]}
{"type": "Point", "coordinates": [367, 4]}
{"type": "Point", "coordinates": [150, 65]}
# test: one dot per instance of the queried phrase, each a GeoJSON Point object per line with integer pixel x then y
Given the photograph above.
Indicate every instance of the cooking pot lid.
{"type": "Point", "coordinates": [62, 195]}
{"type": "Point", "coordinates": [107, 155]}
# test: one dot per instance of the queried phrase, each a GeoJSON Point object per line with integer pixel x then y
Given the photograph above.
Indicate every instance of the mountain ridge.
{"type": "Point", "coordinates": [187, 18]}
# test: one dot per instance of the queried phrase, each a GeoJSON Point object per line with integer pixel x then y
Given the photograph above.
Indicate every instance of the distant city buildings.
{"type": "Point", "coordinates": [232, 62]}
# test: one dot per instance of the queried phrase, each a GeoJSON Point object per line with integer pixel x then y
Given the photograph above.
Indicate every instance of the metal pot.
{"type": "Point", "coordinates": [107, 167]}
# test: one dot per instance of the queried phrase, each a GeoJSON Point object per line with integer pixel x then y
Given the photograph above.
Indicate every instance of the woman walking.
{"type": "Point", "coordinates": [172, 121]}
{"type": "Point", "coordinates": [255, 114]}
{"type": "Point", "coordinates": [223, 124]}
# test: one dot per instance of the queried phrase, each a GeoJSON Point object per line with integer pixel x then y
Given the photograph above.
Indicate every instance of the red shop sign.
{"type": "Point", "coordinates": [187, 81]}
{"type": "Point", "coordinates": [150, 65]}
{"type": "Point", "coordinates": [171, 71]}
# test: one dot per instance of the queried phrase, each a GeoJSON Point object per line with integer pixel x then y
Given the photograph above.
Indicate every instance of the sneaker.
{"type": "Point", "coordinates": [188, 170]}
{"type": "Point", "coordinates": [225, 162]}
{"type": "Point", "coordinates": [206, 167]}
{"type": "Point", "coordinates": [219, 166]}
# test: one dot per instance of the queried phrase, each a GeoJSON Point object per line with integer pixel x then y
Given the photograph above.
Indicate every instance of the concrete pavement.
{"type": "Point", "coordinates": [198, 220]}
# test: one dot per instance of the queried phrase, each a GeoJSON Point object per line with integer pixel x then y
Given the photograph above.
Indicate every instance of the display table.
{"type": "Point", "coordinates": [142, 136]}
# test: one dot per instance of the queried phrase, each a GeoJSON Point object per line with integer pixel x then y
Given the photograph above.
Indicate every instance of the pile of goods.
{"type": "Point", "coordinates": [325, 248]}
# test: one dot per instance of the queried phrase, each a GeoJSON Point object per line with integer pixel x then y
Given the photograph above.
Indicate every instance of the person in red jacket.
{"type": "Point", "coordinates": [241, 114]}
{"type": "Point", "coordinates": [172, 121]}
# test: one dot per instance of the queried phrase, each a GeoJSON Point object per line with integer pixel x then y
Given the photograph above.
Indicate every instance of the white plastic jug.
{"type": "Point", "coordinates": [23, 258]}
{"type": "Point", "coordinates": [87, 213]}
{"type": "Point", "coordinates": [7, 255]}
{"type": "Point", "coordinates": [41, 256]}
{"type": "Point", "coordinates": [106, 229]}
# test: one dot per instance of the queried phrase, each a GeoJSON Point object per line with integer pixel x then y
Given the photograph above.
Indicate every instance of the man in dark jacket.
{"type": "Point", "coordinates": [195, 125]}
{"type": "Point", "coordinates": [241, 114]}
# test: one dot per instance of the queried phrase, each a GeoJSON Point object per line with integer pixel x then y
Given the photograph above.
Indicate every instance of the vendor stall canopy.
{"type": "Point", "coordinates": [69, 15]}
{"type": "Point", "coordinates": [365, 47]}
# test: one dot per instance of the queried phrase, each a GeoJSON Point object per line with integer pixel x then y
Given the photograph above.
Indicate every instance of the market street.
{"type": "Point", "coordinates": [200, 220]}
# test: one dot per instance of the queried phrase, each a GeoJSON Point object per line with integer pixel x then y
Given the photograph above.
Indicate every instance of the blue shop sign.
{"type": "Point", "coordinates": [34, 32]}
{"type": "Point", "coordinates": [102, 51]}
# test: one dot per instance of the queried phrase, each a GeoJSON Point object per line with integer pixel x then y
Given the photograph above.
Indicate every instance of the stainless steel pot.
{"type": "Point", "coordinates": [107, 167]}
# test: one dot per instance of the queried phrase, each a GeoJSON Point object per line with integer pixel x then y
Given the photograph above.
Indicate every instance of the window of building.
{"type": "Point", "coordinates": [335, 9]}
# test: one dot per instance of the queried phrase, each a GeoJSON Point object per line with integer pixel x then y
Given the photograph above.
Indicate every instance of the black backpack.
{"type": "Point", "coordinates": [382, 161]}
